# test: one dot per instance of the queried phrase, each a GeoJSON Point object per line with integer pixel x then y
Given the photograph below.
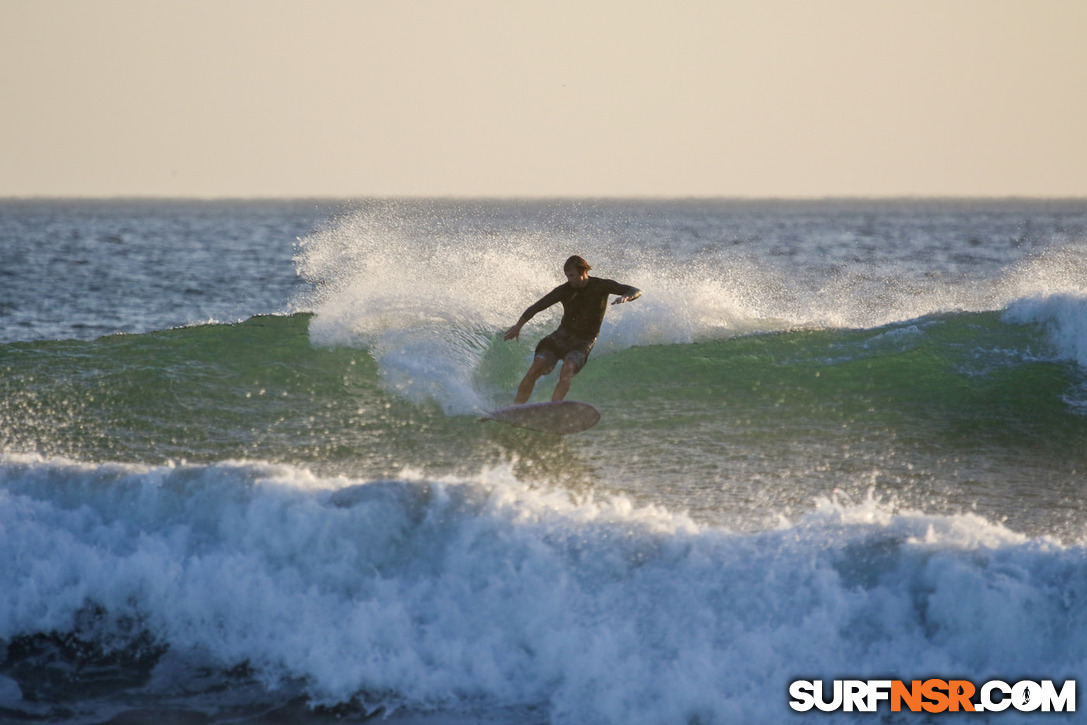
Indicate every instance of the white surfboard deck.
{"type": "Point", "coordinates": [562, 417]}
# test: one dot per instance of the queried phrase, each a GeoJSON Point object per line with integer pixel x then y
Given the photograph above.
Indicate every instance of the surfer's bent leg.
{"type": "Point", "coordinates": [559, 345]}
{"type": "Point", "coordinates": [540, 366]}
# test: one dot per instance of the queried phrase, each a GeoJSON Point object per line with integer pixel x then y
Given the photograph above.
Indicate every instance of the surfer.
{"type": "Point", "coordinates": [584, 301]}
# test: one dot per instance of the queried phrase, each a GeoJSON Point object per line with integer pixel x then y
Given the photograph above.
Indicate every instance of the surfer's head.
{"type": "Point", "coordinates": [576, 263]}
{"type": "Point", "coordinates": [576, 270]}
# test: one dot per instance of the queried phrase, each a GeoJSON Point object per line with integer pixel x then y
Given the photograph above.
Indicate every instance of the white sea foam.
{"type": "Point", "coordinates": [426, 303]}
{"type": "Point", "coordinates": [429, 300]}
{"type": "Point", "coordinates": [429, 288]}
{"type": "Point", "coordinates": [485, 592]}
{"type": "Point", "coordinates": [1065, 318]}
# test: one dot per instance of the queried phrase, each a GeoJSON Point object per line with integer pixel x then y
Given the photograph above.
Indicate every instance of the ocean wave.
{"type": "Point", "coordinates": [480, 593]}
{"type": "Point", "coordinates": [427, 288]}
{"type": "Point", "coordinates": [262, 389]}
{"type": "Point", "coordinates": [1064, 317]}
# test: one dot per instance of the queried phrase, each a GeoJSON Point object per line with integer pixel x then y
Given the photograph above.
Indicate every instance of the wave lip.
{"type": "Point", "coordinates": [1065, 318]}
{"type": "Point", "coordinates": [481, 592]}
{"type": "Point", "coordinates": [428, 288]}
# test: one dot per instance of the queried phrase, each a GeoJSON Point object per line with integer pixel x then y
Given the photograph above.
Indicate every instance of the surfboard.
{"type": "Point", "coordinates": [562, 417]}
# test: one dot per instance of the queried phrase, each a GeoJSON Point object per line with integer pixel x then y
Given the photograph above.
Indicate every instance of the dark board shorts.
{"type": "Point", "coordinates": [560, 345]}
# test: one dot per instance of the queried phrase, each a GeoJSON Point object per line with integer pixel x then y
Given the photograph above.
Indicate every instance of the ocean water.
{"type": "Point", "coordinates": [242, 477]}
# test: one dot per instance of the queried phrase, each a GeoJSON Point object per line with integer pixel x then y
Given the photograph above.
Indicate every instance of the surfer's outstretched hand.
{"type": "Point", "coordinates": [514, 333]}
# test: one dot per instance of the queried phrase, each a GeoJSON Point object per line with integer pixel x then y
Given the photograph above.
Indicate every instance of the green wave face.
{"type": "Point", "coordinates": [752, 425]}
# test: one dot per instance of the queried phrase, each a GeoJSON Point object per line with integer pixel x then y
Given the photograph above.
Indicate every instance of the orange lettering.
{"type": "Point", "coordinates": [912, 696]}
{"type": "Point", "coordinates": [931, 689]}
{"type": "Point", "coordinates": [960, 692]}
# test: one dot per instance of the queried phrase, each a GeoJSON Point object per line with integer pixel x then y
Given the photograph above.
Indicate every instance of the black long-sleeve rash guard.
{"type": "Point", "coordinates": [582, 309]}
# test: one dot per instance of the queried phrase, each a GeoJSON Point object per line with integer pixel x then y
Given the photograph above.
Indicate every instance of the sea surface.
{"type": "Point", "coordinates": [242, 477]}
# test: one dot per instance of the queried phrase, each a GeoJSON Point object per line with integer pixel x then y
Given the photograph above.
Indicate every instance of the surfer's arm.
{"type": "Point", "coordinates": [542, 304]}
{"type": "Point", "coordinates": [628, 294]}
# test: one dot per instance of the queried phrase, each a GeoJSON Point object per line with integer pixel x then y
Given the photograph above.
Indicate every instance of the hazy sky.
{"type": "Point", "coordinates": [556, 98]}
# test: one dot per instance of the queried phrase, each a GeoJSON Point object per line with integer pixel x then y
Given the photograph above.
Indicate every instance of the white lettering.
{"type": "Point", "coordinates": [1064, 701]}
{"type": "Point", "coordinates": [878, 690]}
{"type": "Point", "coordinates": [987, 697]}
{"type": "Point", "coordinates": [1027, 696]}
{"type": "Point", "coordinates": [993, 696]}
{"type": "Point", "coordinates": [855, 696]}
{"type": "Point", "coordinates": [835, 703]}
{"type": "Point", "coordinates": [803, 694]}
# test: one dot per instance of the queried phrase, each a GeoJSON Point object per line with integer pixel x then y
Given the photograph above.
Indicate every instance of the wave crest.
{"type": "Point", "coordinates": [421, 592]}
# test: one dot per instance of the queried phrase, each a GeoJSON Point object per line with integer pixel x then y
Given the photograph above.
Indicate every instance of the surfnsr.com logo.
{"type": "Point", "coordinates": [932, 695]}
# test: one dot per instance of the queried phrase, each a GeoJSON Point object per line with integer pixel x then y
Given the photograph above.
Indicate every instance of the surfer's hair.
{"type": "Point", "coordinates": [576, 263]}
